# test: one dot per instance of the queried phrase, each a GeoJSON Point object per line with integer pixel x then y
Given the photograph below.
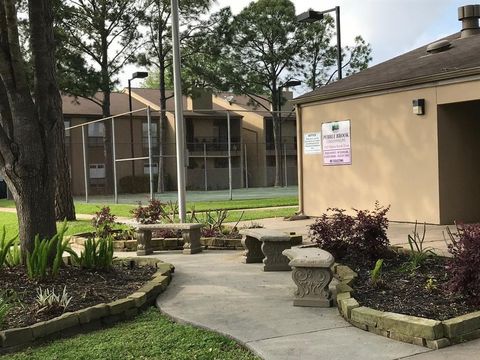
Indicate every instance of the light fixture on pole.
{"type": "Point", "coordinates": [135, 75]}
{"type": "Point", "coordinates": [287, 84]}
{"type": "Point", "coordinates": [179, 129]}
{"type": "Point", "coordinates": [311, 16]}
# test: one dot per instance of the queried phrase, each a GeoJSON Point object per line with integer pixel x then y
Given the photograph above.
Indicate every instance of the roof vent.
{"type": "Point", "coordinates": [469, 16]}
{"type": "Point", "coordinates": [438, 46]}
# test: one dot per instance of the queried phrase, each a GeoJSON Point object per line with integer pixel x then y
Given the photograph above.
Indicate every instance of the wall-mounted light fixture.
{"type": "Point", "coordinates": [418, 106]}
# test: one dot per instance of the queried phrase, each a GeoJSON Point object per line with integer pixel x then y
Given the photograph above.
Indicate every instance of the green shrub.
{"type": "Point", "coordinates": [39, 263]}
{"type": "Point", "coordinates": [418, 253]}
{"type": "Point", "coordinates": [5, 246]}
{"type": "Point", "coordinates": [5, 306]}
{"type": "Point", "coordinates": [376, 273]}
{"type": "Point", "coordinates": [98, 254]}
{"type": "Point", "coordinates": [14, 256]}
{"type": "Point", "coordinates": [50, 302]}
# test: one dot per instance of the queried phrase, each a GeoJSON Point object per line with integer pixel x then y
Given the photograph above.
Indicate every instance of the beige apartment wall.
{"type": "Point", "coordinates": [394, 157]}
{"type": "Point", "coordinates": [459, 162]}
{"type": "Point", "coordinates": [458, 92]}
{"type": "Point", "coordinates": [254, 137]}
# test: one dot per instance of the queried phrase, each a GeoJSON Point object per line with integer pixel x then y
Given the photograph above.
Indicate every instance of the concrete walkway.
{"type": "Point", "coordinates": [215, 290]}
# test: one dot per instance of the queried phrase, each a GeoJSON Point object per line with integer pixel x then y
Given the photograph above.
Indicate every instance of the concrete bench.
{"type": "Point", "coordinates": [312, 273]}
{"type": "Point", "coordinates": [190, 235]}
{"type": "Point", "coordinates": [264, 245]}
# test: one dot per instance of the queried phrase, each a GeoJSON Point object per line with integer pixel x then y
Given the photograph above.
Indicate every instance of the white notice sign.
{"type": "Point", "coordinates": [312, 143]}
{"type": "Point", "coordinates": [336, 143]}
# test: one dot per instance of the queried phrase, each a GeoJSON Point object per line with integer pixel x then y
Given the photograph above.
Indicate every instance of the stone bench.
{"type": "Point", "coordinates": [190, 235]}
{"type": "Point", "coordinates": [264, 245]}
{"type": "Point", "coordinates": [312, 273]}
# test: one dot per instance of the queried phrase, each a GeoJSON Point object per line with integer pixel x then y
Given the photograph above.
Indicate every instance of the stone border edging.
{"type": "Point", "coordinates": [94, 317]}
{"type": "Point", "coordinates": [433, 334]}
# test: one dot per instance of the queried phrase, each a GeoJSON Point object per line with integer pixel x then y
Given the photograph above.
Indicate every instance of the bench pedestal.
{"type": "Point", "coordinates": [263, 245]}
{"type": "Point", "coordinates": [144, 246]}
{"type": "Point", "coordinates": [191, 240]}
{"type": "Point", "coordinates": [311, 272]}
{"type": "Point", "coordinates": [274, 259]}
{"type": "Point", "coordinates": [253, 250]}
{"type": "Point", "coordinates": [312, 287]}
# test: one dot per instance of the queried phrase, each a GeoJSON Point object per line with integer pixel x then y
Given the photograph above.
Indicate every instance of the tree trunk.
{"type": "Point", "coordinates": [64, 207]}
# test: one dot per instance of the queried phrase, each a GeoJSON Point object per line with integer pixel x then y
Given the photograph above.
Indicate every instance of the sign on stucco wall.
{"type": "Point", "coordinates": [336, 143]}
{"type": "Point", "coordinates": [312, 143]}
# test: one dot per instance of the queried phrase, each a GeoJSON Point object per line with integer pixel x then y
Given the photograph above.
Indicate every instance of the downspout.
{"type": "Point", "coordinates": [299, 158]}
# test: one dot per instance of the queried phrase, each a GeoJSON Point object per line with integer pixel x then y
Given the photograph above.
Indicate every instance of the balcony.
{"type": "Point", "coordinates": [214, 146]}
{"type": "Point", "coordinates": [289, 146]}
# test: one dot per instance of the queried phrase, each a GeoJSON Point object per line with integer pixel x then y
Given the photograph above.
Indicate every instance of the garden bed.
{"type": "Point", "coordinates": [98, 299]}
{"type": "Point", "coordinates": [403, 307]}
{"type": "Point", "coordinates": [422, 292]}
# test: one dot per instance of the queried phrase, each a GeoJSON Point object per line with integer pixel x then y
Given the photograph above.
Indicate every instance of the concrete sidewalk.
{"type": "Point", "coordinates": [215, 290]}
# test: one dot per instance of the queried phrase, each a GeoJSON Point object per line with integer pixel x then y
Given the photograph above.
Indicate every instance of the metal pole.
{"type": "Point", "coordinates": [339, 43]}
{"type": "Point", "coordinates": [205, 165]}
{"type": "Point", "coordinates": [179, 133]}
{"type": "Point", "coordinates": [149, 134]}
{"type": "Point", "coordinates": [131, 125]}
{"type": "Point", "coordinates": [114, 163]}
{"type": "Point", "coordinates": [285, 167]}
{"type": "Point", "coordinates": [85, 169]}
{"type": "Point", "coordinates": [229, 155]}
{"type": "Point", "coordinates": [246, 167]}
{"type": "Point", "coordinates": [280, 123]}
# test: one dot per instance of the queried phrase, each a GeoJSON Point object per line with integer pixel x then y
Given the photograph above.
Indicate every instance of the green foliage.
{"type": "Point", "coordinates": [39, 262]}
{"type": "Point", "coordinates": [97, 254]}
{"type": "Point", "coordinates": [418, 253]}
{"type": "Point", "coordinates": [376, 273]}
{"type": "Point", "coordinates": [5, 306]}
{"type": "Point", "coordinates": [49, 301]}
{"type": "Point", "coordinates": [14, 256]}
{"type": "Point", "coordinates": [5, 247]}
{"type": "Point", "coordinates": [431, 285]}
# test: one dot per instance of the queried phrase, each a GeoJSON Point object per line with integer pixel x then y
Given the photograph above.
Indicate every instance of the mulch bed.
{"type": "Point", "coordinates": [87, 288]}
{"type": "Point", "coordinates": [406, 292]}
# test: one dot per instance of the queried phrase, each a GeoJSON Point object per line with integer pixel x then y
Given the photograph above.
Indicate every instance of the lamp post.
{"type": "Point", "coordinates": [135, 75]}
{"type": "Point", "coordinates": [287, 84]}
{"type": "Point", "coordinates": [311, 16]}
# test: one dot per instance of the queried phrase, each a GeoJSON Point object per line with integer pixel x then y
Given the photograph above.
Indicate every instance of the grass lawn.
{"type": "Point", "coordinates": [124, 209]}
{"type": "Point", "coordinates": [9, 220]}
{"type": "Point", "coordinates": [149, 336]}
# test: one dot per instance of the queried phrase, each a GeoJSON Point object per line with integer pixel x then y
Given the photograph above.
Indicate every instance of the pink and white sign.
{"type": "Point", "coordinates": [336, 144]}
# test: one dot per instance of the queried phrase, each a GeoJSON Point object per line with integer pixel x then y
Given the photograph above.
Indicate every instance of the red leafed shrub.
{"type": "Point", "coordinates": [362, 235]}
{"type": "Point", "coordinates": [103, 222]}
{"type": "Point", "coordinates": [465, 263]}
{"type": "Point", "coordinates": [149, 214]}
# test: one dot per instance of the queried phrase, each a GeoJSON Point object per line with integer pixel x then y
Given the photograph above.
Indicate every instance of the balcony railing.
{"type": "Point", "coordinates": [213, 144]}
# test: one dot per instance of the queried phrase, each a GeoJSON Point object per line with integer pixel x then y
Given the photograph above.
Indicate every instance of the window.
{"type": "Point", "coordinates": [97, 171]}
{"type": "Point", "coordinates": [154, 169]}
{"type": "Point", "coordinates": [153, 132]}
{"type": "Point", "coordinates": [96, 130]}
{"type": "Point", "coordinates": [221, 163]}
{"type": "Point", "coordinates": [66, 123]}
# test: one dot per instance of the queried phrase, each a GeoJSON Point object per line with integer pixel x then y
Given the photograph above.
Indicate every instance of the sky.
{"type": "Point", "coordinates": [392, 27]}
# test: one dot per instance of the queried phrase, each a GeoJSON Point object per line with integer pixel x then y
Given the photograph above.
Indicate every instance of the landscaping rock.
{"type": "Point", "coordinates": [462, 325]}
{"type": "Point", "coordinates": [60, 323]}
{"type": "Point", "coordinates": [366, 316]}
{"type": "Point", "coordinates": [411, 325]}
{"type": "Point", "coordinates": [347, 305]}
{"type": "Point", "coordinates": [415, 340]}
{"type": "Point", "coordinates": [140, 298]}
{"type": "Point", "coordinates": [438, 344]}
{"type": "Point", "coordinates": [92, 313]}
{"type": "Point", "coordinates": [120, 306]}
{"type": "Point", "coordinates": [17, 336]}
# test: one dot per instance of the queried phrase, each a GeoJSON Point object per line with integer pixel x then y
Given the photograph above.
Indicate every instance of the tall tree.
{"type": "Point", "coordinates": [158, 53]}
{"type": "Point", "coordinates": [259, 52]}
{"type": "Point", "coordinates": [105, 34]}
{"type": "Point", "coordinates": [28, 118]}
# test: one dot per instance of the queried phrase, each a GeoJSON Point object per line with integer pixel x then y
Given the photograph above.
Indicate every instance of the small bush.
{"type": "Point", "coordinates": [364, 234]}
{"type": "Point", "coordinates": [5, 247]}
{"type": "Point", "coordinates": [39, 264]}
{"type": "Point", "coordinates": [52, 303]}
{"type": "Point", "coordinates": [97, 254]}
{"type": "Point", "coordinates": [149, 214]}
{"type": "Point", "coordinates": [103, 222]}
{"type": "Point", "coordinates": [5, 306]}
{"type": "Point", "coordinates": [464, 265]}
{"type": "Point", "coordinates": [376, 273]}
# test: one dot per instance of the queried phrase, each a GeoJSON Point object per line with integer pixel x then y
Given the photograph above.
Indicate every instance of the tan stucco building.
{"type": "Point", "coordinates": [413, 137]}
